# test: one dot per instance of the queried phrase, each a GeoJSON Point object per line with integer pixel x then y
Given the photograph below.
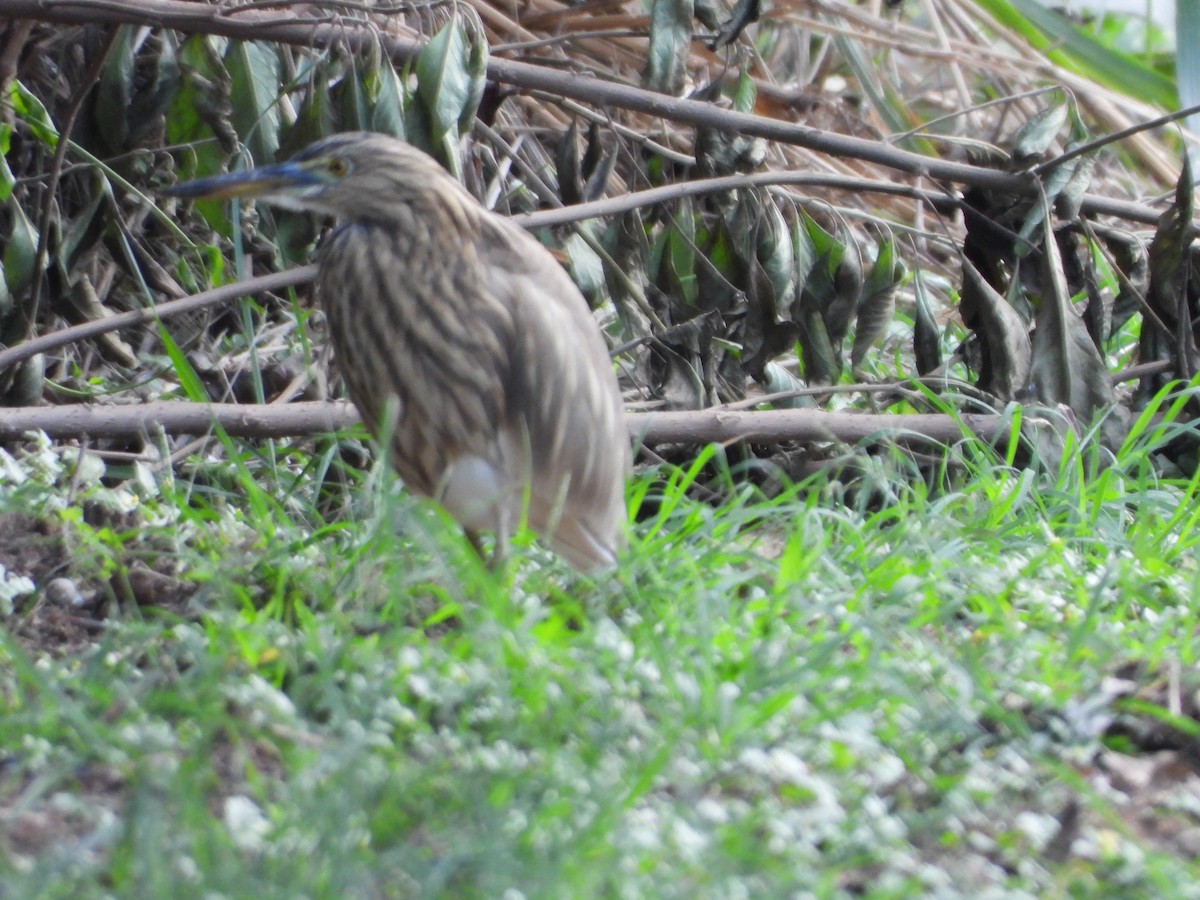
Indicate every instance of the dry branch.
{"type": "Point", "coordinates": [297, 419]}
{"type": "Point", "coordinates": [55, 339]}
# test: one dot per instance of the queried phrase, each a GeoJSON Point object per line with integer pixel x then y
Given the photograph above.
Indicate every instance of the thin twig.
{"type": "Point", "coordinates": [275, 282]}
{"type": "Point", "coordinates": [613, 206]}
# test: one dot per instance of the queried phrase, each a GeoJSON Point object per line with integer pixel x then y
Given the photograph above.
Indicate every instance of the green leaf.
{"type": "Point", "coordinates": [8, 181]}
{"type": "Point", "coordinates": [804, 251]}
{"type": "Point", "coordinates": [774, 253]}
{"type": "Point", "coordinates": [817, 356]}
{"type": "Point", "coordinates": [315, 119]}
{"type": "Point", "coordinates": [681, 251]}
{"type": "Point", "coordinates": [818, 255]}
{"type": "Point", "coordinates": [30, 110]}
{"type": "Point", "coordinates": [20, 251]}
{"type": "Point", "coordinates": [587, 268]}
{"type": "Point", "coordinates": [387, 109]}
{"type": "Point", "coordinates": [256, 74]}
{"type": "Point", "coordinates": [776, 379]}
{"type": "Point", "coordinates": [745, 94]}
{"type": "Point", "coordinates": [191, 383]}
{"type": "Point", "coordinates": [1065, 45]}
{"type": "Point", "coordinates": [349, 99]}
{"type": "Point", "coordinates": [199, 119]}
{"type": "Point", "coordinates": [451, 74]}
{"type": "Point", "coordinates": [114, 92]}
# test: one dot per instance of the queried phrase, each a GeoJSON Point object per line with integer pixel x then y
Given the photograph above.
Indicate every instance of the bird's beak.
{"type": "Point", "coordinates": [265, 181]}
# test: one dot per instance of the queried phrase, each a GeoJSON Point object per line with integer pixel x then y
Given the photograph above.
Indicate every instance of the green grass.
{"type": "Point", "coordinates": [880, 688]}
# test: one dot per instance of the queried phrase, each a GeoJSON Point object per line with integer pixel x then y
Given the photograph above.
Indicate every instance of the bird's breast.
{"type": "Point", "coordinates": [417, 324]}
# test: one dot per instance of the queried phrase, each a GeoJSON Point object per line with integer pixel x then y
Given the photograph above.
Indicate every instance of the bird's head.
{"type": "Point", "coordinates": [347, 175]}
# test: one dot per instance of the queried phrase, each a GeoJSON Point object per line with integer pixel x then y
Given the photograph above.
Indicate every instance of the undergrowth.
{"type": "Point", "coordinates": [897, 684]}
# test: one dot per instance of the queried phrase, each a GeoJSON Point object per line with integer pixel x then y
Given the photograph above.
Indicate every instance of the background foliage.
{"type": "Point", "coordinates": [259, 669]}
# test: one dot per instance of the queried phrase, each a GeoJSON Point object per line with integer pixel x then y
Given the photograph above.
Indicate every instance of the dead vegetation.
{"type": "Point", "coordinates": [940, 211]}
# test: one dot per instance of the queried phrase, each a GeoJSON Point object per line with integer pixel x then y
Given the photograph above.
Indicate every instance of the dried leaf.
{"type": "Point", "coordinates": [1169, 262]}
{"type": "Point", "coordinates": [81, 304]}
{"type": "Point", "coordinates": [877, 306]}
{"type": "Point", "coordinates": [86, 228]}
{"type": "Point", "coordinates": [137, 86]}
{"type": "Point", "coordinates": [1064, 187]}
{"type": "Point", "coordinates": [848, 280]}
{"type": "Point", "coordinates": [22, 385]}
{"type": "Point", "coordinates": [157, 80]}
{"type": "Point", "coordinates": [1030, 143]}
{"type": "Point", "coordinates": [1067, 368]}
{"type": "Point", "coordinates": [598, 175]}
{"type": "Point", "coordinates": [670, 44]}
{"type": "Point", "coordinates": [566, 158]}
{"type": "Point", "coordinates": [927, 343]}
{"type": "Point", "coordinates": [745, 13]}
{"type": "Point", "coordinates": [1002, 334]}
{"type": "Point", "coordinates": [1069, 182]}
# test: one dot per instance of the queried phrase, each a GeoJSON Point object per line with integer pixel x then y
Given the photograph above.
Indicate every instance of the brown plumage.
{"type": "Point", "coordinates": [460, 333]}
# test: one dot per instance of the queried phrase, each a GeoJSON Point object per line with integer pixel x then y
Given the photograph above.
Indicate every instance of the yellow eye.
{"type": "Point", "coordinates": [337, 166]}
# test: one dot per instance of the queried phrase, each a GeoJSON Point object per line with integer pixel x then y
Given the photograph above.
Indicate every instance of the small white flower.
{"type": "Point", "coordinates": [248, 826]}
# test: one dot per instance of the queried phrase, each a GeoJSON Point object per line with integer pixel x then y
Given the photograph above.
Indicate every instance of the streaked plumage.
{"type": "Point", "coordinates": [506, 404]}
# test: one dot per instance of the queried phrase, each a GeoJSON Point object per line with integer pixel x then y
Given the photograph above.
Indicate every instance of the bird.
{"type": "Point", "coordinates": [465, 346]}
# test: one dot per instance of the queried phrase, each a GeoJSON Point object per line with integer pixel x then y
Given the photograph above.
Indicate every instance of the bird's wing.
{"type": "Point", "coordinates": [564, 391]}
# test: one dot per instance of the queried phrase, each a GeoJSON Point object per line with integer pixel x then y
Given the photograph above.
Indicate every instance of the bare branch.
{"type": "Point", "coordinates": [299, 419]}
{"type": "Point", "coordinates": [274, 282]}
{"type": "Point", "coordinates": [179, 417]}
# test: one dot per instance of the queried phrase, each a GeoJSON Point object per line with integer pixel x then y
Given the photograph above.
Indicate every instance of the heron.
{"type": "Point", "coordinates": [466, 348]}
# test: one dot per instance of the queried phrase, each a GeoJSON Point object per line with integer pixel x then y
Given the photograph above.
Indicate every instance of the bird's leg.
{"type": "Point", "coordinates": [495, 560]}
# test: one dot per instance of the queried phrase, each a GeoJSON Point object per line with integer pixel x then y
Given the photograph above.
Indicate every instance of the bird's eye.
{"type": "Point", "coordinates": [337, 166]}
